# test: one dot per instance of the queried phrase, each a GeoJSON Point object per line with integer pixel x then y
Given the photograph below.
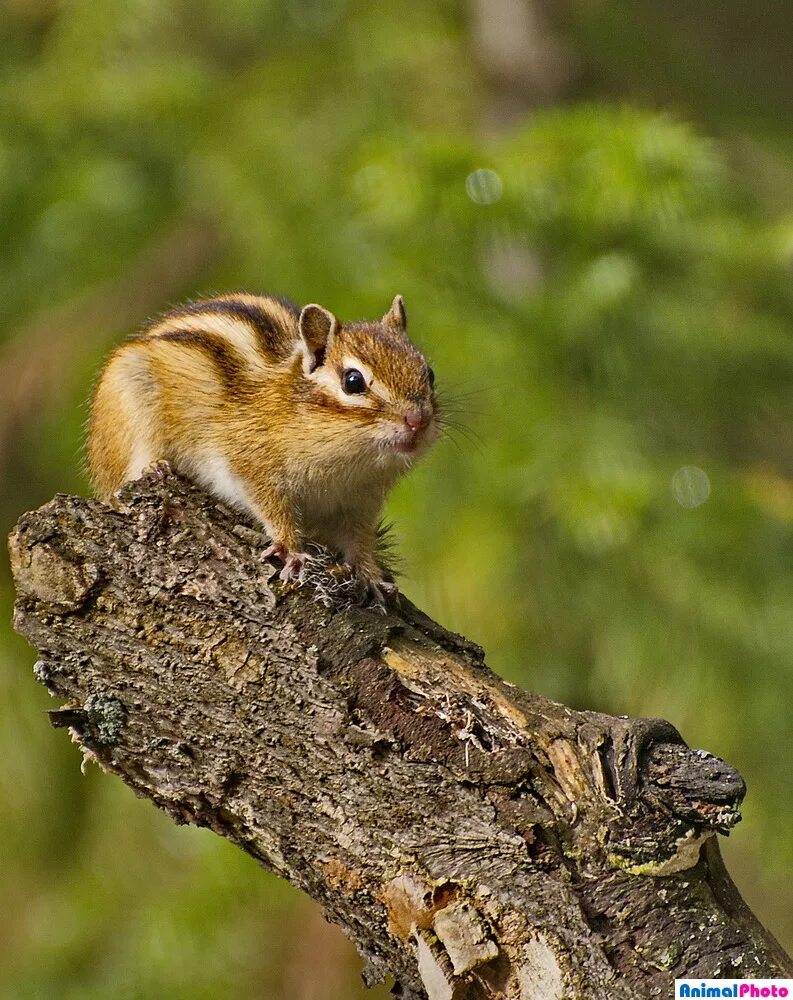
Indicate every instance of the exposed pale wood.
{"type": "Point", "coordinates": [473, 839]}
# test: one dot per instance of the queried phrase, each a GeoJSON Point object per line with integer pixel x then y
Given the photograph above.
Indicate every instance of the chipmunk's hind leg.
{"type": "Point", "coordinates": [122, 441]}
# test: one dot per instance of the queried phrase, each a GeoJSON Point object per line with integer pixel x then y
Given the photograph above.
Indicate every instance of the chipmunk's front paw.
{"type": "Point", "coordinates": [294, 562]}
{"type": "Point", "coordinates": [159, 470]}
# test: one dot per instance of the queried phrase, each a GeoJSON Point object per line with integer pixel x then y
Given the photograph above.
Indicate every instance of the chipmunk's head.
{"type": "Point", "coordinates": [374, 379]}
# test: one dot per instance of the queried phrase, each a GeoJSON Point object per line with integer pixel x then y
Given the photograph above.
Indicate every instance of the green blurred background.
{"type": "Point", "coordinates": [588, 208]}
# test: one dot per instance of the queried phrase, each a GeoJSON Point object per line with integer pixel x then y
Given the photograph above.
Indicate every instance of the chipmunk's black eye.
{"type": "Point", "coordinates": [352, 381]}
{"type": "Point", "coordinates": [431, 377]}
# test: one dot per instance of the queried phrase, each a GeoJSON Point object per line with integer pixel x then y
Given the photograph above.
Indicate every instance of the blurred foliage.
{"type": "Point", "coordinates": [606, 297]}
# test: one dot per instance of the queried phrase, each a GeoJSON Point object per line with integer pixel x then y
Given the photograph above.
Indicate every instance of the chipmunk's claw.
{"type": "Point", "coordinates": [378, 593]}
{"type": "Point", "coordinates": [294, 565]}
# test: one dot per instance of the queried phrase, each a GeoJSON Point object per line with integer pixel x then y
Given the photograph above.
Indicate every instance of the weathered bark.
{"type": "Point", "coordinates": [474, 840]}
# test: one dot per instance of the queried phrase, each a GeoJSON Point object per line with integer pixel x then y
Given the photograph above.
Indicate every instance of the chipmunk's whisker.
{"type": "Point", "coordinates": [451, 428]}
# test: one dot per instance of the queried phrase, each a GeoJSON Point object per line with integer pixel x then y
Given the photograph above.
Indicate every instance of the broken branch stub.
{"type": "Point", "coordinates": [474, 840]}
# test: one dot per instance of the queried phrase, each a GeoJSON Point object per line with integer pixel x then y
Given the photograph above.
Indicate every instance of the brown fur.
{"type": "Point", "coordinates": [233, 393]}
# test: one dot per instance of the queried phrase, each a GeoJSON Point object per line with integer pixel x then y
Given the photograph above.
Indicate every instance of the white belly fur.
{"type": "Point", "coordinates": [213, 473]}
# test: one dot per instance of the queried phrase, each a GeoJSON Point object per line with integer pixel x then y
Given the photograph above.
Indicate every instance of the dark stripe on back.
{"type": "Point", "coordinates": [228, 364]}
{"type": "Point", "coordinates": [273, 338]}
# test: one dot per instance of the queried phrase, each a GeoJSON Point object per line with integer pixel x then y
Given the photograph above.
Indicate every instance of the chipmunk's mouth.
{"type": "Point", "coordinates": [407, 442]}
{"type": "Point", "coordinates": [406, 446]}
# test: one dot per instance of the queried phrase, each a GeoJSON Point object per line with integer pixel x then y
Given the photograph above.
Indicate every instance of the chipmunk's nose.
{"type": "Point", "coordinates": [416, 420]}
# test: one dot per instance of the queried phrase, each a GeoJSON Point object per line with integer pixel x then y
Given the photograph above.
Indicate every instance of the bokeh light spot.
{"type": "Point", "coordinates": [690, 486]}
{"type": "Point", "coordinates": [484, 186]}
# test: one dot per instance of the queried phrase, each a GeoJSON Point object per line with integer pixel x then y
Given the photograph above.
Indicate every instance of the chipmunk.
{"type": "Point", "coordinates": [300, 421]}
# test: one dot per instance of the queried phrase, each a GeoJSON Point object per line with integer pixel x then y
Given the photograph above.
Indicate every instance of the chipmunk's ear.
{"type": "Point", "coordinates": [396, 314]}
{"type": "Point", "coordinates": [317, 329]}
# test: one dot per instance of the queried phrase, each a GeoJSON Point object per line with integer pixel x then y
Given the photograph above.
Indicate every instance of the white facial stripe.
{"type": "Point", "coordinates": [330, 380]}
{"type": "Point", "coordinates": [374, 384]}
